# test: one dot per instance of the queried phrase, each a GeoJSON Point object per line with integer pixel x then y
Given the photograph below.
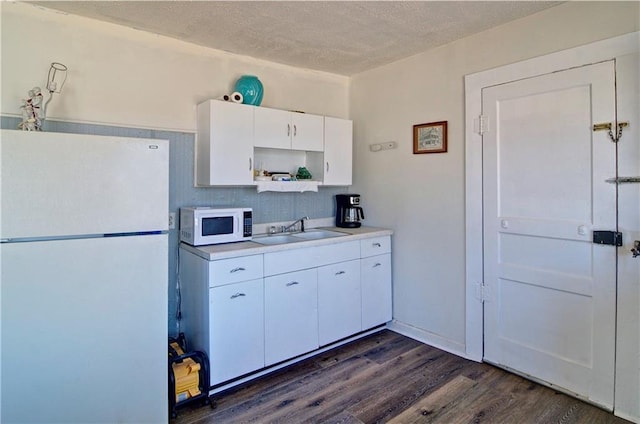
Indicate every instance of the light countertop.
{"type": "Point", "coordinates": [231, 250]}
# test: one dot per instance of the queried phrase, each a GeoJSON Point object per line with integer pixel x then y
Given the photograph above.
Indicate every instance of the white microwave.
{"type": "Point", "coordinates": [203, 225]}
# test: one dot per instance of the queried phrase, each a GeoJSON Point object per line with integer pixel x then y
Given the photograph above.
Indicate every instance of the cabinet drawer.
{"type": "Point", "coordinates": [233, 270]}
{"type": "Point", "coordinates": [309, 257]}
{"type": "Point", "coordinates": [375, 246]}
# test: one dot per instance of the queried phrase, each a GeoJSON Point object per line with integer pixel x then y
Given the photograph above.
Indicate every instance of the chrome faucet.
{"type": "Point", "coordinates": [301, 221]}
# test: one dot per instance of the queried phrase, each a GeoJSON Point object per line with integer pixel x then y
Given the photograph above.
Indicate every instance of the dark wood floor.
{"type": "Point", "coordinates": [390, 378]}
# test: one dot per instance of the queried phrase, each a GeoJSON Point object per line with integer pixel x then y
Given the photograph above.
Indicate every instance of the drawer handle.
{"type": "Point", "coordinates": [237, 269]}
{"type": "Point", "coordinates": [376, 245]}
{"type": "Point", "coordinates": [377, 264]}
{"type": "Point", "coordinates": [293, 283]}
{"type": "Point", "coordinates": [238, 295]}
{"type": "Point", "coordinates": [340, 272]}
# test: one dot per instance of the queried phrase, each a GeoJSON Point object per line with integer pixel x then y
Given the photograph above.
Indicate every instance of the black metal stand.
{"type": "Point", "coordinates": [203, 375]}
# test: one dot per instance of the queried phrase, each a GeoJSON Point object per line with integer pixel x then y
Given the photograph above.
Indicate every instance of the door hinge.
{"type": "Point", "coordinates": [482, 292]}
{"type": "Point", "coordinates": [611, 238]}
{"type": "Point", "coordinates": [483, 125]}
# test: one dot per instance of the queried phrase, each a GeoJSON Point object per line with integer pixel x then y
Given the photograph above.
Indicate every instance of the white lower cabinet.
{"type": "Point", "coordinates": [236, 326]}
{"type": "Point", "coordinates": [339, 301]}
{"type": "Point", "coordinates": [255, 311]}
{"type": "Point", "coordinates": [290, 315]}
{"type": "Point", "coordinates": [375, 273]}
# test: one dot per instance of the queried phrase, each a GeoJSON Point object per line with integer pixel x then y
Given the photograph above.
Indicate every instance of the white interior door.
{"type": "Point", "coordinates": [550, 309]}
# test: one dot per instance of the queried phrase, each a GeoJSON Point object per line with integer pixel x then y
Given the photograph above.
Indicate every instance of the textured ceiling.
{"type": "Point", "coordinates": [341, 37]}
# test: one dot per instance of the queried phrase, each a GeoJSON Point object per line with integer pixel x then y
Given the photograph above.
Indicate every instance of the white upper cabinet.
{"type": "Point", "coordinates": [338, 151]}
{"type": "Point", "coordinates": [272, 128]}
{"type": "Point", "coordinates": [282, 129]}
{"type": "Point", "coordinates": [308, 132]}
{"type": "Point", "coordinates": [232, 137]}
{"type": "Point", "coordinates": [224, 146]}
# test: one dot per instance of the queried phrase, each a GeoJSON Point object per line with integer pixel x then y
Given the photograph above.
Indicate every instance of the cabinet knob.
{"type": "Point", "coordinates": [376, 245]}
{"type": "Point", "coordinates": [237, 295]}
{"type": "Point", "coordinates": [236, 270]}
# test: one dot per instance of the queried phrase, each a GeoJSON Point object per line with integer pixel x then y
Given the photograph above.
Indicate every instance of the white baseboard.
{"type": "Point", "coordinates": [429, 338]}
{"type": "Point", "coordinates": [628, 417]}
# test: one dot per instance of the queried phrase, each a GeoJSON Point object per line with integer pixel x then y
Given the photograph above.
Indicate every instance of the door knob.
{"type": "Point", "coordinates": [636, 248]}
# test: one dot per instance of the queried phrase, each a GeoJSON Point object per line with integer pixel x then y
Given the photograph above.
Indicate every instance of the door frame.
{"type": "Point", "coordinates": [595, 52]}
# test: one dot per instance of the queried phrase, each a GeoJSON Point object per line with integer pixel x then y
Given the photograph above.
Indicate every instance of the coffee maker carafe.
{"type": "Point", "coordinates": [348, 211]}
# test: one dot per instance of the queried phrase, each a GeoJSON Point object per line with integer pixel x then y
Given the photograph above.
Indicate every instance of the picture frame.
{"type": "Point", "coordinates": [430, 137]}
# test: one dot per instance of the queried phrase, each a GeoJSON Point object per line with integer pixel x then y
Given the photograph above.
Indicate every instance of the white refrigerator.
{"type": "Point", "coordinates": [83, 266]}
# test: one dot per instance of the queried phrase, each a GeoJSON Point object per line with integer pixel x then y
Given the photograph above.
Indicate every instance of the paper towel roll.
{"type": "Point", "coordinates": [236, 97]}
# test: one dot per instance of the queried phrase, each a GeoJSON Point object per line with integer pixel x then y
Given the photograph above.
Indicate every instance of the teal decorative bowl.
{"type": "Point", "coordinates": [251, 89]}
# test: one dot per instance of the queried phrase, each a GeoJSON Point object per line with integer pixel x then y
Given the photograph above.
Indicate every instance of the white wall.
{"type": "Point", "coordinates": [421, 197]}
{"type": "Point", "coordinates": [126, 77]}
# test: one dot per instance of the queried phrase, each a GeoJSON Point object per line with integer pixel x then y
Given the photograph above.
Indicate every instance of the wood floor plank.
{"type": "Point", "coordinates": [479, 404]}
{"type": "Point", "coordinates": [386, 377]}
{"type": "Point", "coordinates": [294, 395]}
{"type": "Point", "coordinates": [396, 394]}
{"type": "Point", "coordinates": [380, 346]}
{"type": "Point", "coordinates": [343, 393]}
{"type": "Point", "coordinates": [422, 409]}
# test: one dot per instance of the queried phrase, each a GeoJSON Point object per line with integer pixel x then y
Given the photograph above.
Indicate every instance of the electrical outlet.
{"type": "Point", "coordinates": [172, 220]}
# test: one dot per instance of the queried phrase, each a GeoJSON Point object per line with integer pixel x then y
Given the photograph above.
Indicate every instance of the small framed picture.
{"type": "Point", "coordinates": [430, 138]}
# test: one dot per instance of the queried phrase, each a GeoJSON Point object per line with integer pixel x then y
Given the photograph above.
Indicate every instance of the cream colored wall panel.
{"type": "Point", "coordinates": [422, 196]}
{"type": "Point", "coordinates": [127, 77]}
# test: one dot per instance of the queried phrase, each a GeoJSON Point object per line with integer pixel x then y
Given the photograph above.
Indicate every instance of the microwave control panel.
{"type": "Point", "coordinates": [248, 224]}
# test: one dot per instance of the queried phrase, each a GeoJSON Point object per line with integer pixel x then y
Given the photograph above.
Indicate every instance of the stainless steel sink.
{"type": "Point", "coordinates": [318, 234]}
{"type": "Point", "coordinates": [297, 237]}
{"type": "Point", "coordinates": [276, 239]}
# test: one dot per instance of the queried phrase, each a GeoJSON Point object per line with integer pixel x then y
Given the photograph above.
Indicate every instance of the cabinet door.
{"type": "Point", "coordinates": [376, 290]}
{"type": "Point", "coordinates": [291, 315]}
{"type": "Point", "coordinates": [224, 144]}
{"type": "Point", "coordinates": [272, 128]}
{"type": "Point", "coordinates": [308, 132]}
{"type": "Point", "coordinates": [339, 301]}
{"type": "Point", "coordinates": [236, 325]}
{"type": "Point", "coordinates": [338, 151]}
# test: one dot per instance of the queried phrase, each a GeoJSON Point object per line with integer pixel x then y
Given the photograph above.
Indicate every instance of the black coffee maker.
{"type": "Point", "coordinates": [348, 211]}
